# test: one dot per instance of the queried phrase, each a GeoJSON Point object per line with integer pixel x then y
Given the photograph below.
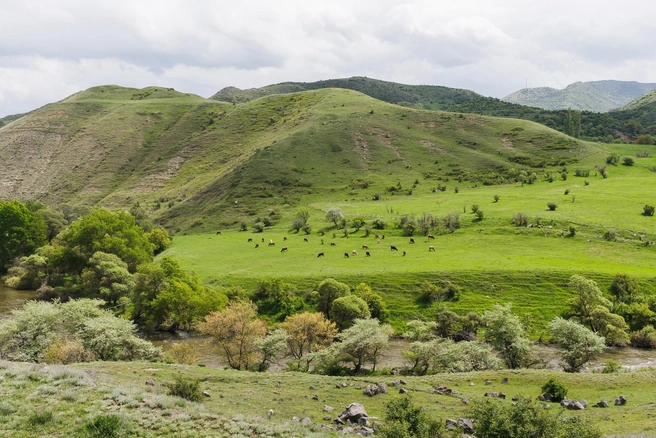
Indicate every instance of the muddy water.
{"type": "Point", "coordinates": [391, 357]}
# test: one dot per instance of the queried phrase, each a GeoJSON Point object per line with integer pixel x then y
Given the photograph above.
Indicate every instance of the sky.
{"type": "Point", "coordinates": [50, 49]}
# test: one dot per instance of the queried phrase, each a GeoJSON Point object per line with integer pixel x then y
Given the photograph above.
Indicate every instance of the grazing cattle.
{"type": "Point", "coordinates": [354, 252]}
{"type": "Point", "coordinates": [284, 238]}
{"type": "Point", "coordinates": [430, 236]}
{"type": "Point", "coordinates": [305, 239]}
{"type": "Point", "coordinates": [272, 243]}
{"type": "Point", "coordinates": [284, 249]}
{"type": "Point", "coordinates": [403, 253]}
{"type": "Point", "coordinates": [346, 255]}
{"type": "Point", "coordinates": [431, 248]}
{"type": "Point", "coordinates": [367, 254]}
{"type": "Point", "coordinates": [383, 237]}
{"type": "Point", "coordinates": [393, 248]}
{"type": "Point", "coordinates": [376, 236]}
{"type": "Point", "coordinates": [250, 240]}
{"type": "Point", "coordinates": [333, 244]}
{"type": "Point", "coordinates": [263, 240]}
{"type": "Point", "coordinates": [378, 241]}
{"type": "Point", "coordinates": [365, 247]}
{"type": "Point", "coordinates": [322, 241]}
{"type": "Point", "coordinates": [412, 240]}
{"type": "Point", "coordinates": [320, 255]}
{"type": "Point", "coordinates": [218, 232]}
{"type": "Point", "coordinates": [257, 245]}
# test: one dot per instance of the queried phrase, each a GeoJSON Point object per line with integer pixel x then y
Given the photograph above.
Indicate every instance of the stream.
{"type": "Point", "coordinates": [392, 355]}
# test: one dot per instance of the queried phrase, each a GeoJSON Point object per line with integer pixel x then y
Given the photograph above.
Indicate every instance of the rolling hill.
{"type": "Point", "coordinates": [187, 157]}
{"type": "Point", "coordinates": [642, 101]}
{"type": "Point", "coordinates": [598, 96]}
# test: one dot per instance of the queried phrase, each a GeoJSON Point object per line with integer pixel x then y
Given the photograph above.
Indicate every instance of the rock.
{"type": "Point", "coordinates": [575, 406]}
{"type": "Point", "coordinates": [150, 382]}
{"type": "Point", "coordinates": [502, 395]}
{"type": "Point", "coordinates": [366, 431]}
{"type": "Point", "coordinates": [305, 421]}
{"type": "Point", "coordinates": [351, 414]}
{"type": "Point", "coordinates": [584, 403]}
{"type": "Point", "coordinates": [395, 383]}
{"type": "Point", "coordinates": [467, 424]}
{"type": "Point", "coordinates": [327, 418]}
{"type": "Point", "coordinates": [344, 385]}
{"type": "Point", "coordinates": [206, 394]}
{"type": "Point", "coordinates": [488, 382]}
{"type": "Point", "coordinates": [269, 413]}
{"type": "Point", "coordinates": [296, 419]}
{"type": "Point", "coordinates": [471, 383]}
{"type": "Point", "coordinates": [504, 380]}
{"type": "Point", "coordinates": [620, 401]}
{"type": "Point", "coordinates": [372, 390]}
{"type": "Point", "coordinates": [491, 394]}
{"type": "Point", "coordinates": [515, 398]}
{"type": "Point", "coordinates": [362, 421]}
{"type": "Point", "coordinates": [403, 382]}
{"type": "Point", "coordinates": [451, 424]}
{"type": "Point", "coordinates": [465, 401]}
{"type": "Point", "coordinates": [327, 408]}
{"type": "Point", "coordinates": [312, 387]}
{"type": "Point", "coordinates": [601, 404]}
{"type": "Point", "coordinates": [547, 397]}
{"type": "Point", "coordinates": [315, 397]}
{"type": "Point", "coordinates": [403, 391]}
{"type": "Point", "coordinates": [347, 430]}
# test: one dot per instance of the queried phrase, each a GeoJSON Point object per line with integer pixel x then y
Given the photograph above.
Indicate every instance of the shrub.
{"type": "Point", "coordinates": [567, 191]}
{"type": "Point", "coordinates": [376, 197]}
{"type": "Point", "coordinates": [645, 139]}
{"type": "Point", "coordinates": [105, 426]}
{"type": "Point", "coordinates": [552, 206]}
{"type": "Point", "coordinates": [65, 352]}
{"type": "Point", "coordinates": [627, 161]}
{"type": "Point", "coordinates": [243, 226]}
{"type": "Point", "coordinates": [405, 419]}
{"type": "Point", "coordinates": [572, 231]}
{"type": "Point", "coordinates": [184, 353]}
{"type": "Point", "coordinates": [555, 388]}
{"type": "Point", "coordinates": [187, 389]}
{"type": "Point", "coordinates": [474, 208]}
{"type": "Point", "coordinates": [611, 367]}
{"type": "Point", "coordinates": [379, 224]}
{"type": "Point", "coordinates": [520, 220]}
{"type": "Point", "coordinates": [648, 210]}
{"type": "Point", "coordinates": [6, 409]}
{"type": "Point", "coordinates": [643, 154]}
{"type": "Point", "coordinates": [496, 198]}
{"type": "Point", "coordinates": [451, 222]}
{"type": "Point", "coordinates": [582, 172]}
{"type": "Point", "coordinates": [602, 171]}
{"type": "Point", "coordinates": [258, 227]}
{"type": "Point", "coordinates": [347, 309]}
{"type": "Point", "coordinates": [298, 223]}
{"type": "Point", "coordinates": [610, 234]}
{"type": "Point", "coordinates": [578, 344]}
{"type": "Point", "coordinates": [645, 338]}
{"type": "Point", "coordinates": [613, 159]}
{"type": "Point", "coordinates": [480, 215]}
{"type": "Point", "coordinates": [307, 228]}
{"type": "Point", "coordinates": [563, 175]}
{"type": "Point", "coordinates": [39, 418]}
{"type": "Point", "coordinates": [586, 183]}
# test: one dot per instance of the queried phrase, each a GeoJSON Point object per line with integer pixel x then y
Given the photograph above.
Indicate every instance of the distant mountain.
{"type": "Point", "coordinates": [417, 96]}
{"type": "Point", "coordinates": [599, 96]}
{"type": "Point", "coordinates": [644, 100]}
{"type": "Point", "coordinates": [8, 119]}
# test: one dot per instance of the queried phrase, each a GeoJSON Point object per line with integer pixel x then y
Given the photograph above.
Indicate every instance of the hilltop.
{"type": "Point", "coordinates": [199, 163]}
{"type": "Point", "coordinates": [642, 101]}
{"type": "Point", "coordinates": [598, 96]}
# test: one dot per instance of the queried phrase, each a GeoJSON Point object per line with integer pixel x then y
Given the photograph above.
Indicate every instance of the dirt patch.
{"type": "Point", "coordinates": [156, 181]}
{"type": "Point", "coordinates": [361, 147]}
{"type": "Point", "coordinates": [507, 142]}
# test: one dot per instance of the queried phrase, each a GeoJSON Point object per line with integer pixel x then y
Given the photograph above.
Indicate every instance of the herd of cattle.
{"type": "Point", "coordinates": [346, 254]}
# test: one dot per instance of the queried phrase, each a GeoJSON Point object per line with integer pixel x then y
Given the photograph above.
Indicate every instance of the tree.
{"type": "Point", "coordinates": [21, 231]}
{"type": "Point", "coordinates": [107, 277]}
{"type": "Point", "coordinates": [507, 335]}
{"type": "Point", "coordinates": [362, 342]}
{"type": "Point", "coordinates": [270, 348]}
{"type": "Point", "coordinates": [624, 289]}
{"type": "Point", "coordinates": [160, 240]}
{"type": "Point", "coordinates": [374, 301]}
{"type": "Point", "coordinates": [235, 331]}
{"type": "Point", "coordinates": [347, 309]}
{"type": "Point", "coordinates": [405, 420]}
{"type": "Point", "coordinates": [55, 221]}
{"type": "Point", "coordinates": [334, 215]}
{"type": "Point", "coordinates": [308, 333]}
{"type": "Point", "coordinates": [577, 343]}
{"type": "Point", "coordinates": [329, 290]}
{"type": "Point", "coordinates": [112, 233]}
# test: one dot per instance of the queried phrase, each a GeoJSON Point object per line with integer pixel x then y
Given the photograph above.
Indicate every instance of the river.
{"type": "Point", "coordinates": [391, 357]}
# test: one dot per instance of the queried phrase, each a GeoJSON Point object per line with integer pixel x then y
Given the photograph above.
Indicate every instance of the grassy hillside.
{"type": "Point", "coordinates": [71, 399]}
{"type": "Point", "coordinates": [8, 119]}
{"type": "Point", "coordinates": [645, 99]}
{"type": "Point", "coordinates": [598, 96]}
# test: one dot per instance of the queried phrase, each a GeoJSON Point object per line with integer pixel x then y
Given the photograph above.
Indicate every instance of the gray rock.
{"type": "Point", "coordinates": [471, 383]}
{"type": "Point", "coordinates": [269, 413]}
{"type": "Point", "coordinates": [395, 383]}
{"type": "Point", "coordinates": [366, 431]}
{"type": "Point", "coordinates": [467, 424]}
{"type": "Point", "coordinates": [584, 403]}
{"type": "Point", "coordinates": [574, 406]}
{"type": "Point", "coordinates": [296, 419]}
{"type": "Point", "coordinates": [352, 413]}
{"type": "Point", "coordinates": [620, 401]}
{"type": "Point", "coordinates": [488, 382]}
{"type": "Point", "coordinates": [347, 430]}
{"type": "Point", "coordinates": [403, 382]}
{"type": "Point", "coordinates": [491, 394]}
{"type": "Point", "coordinates": [546, 397]}
{"type": "Point", "coordinates": [315, 397]}
{"type": "Point", "coordinates": [372, 390]}
{"type": "Point", "coordinates": [327, 418]}
{"type": "Point", "coordinates": [362, 421]}
{"type": "Point", "coordinates": [451, 424]}
{"type": "Point", "coordinates": [312, 387]}
{"type": "Point", "coordinates": [515, 398]}
{"type": "Point", "coordinates": [403, 391]}
{"type": "Point", "coordinates": [601, 404]}
{"type": "Point", "coordinates": [502, 395]}
{"type": "Point", "coordinates": [465, 401]}
{"type": "Point", "coordinates": [504, 380]}
{"type": "Point", "coordinates": [150, 382]}
{"type": "Point", "coordinates": [327, 408]}
{"type": "Point", "coordinates": [305, 421]}
{"type": "Point", "coordinates": [206, 394]}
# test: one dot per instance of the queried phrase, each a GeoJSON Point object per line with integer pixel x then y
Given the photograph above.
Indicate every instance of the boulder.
{"type": "Point", "coordinates": [504, 380]}
{"type": "Point", "coordinates": [372, 390]}
{"type": "Point", "coordinates": [150, 382]}
{"type": "Point", "coordinates": [488, 382]}
{"type": "Point", "coordinates": [315, 397]}
{"type": "Point", "coordinates": [502, 395]}
{"type": "Point", "coordinates": [465, 401]}
{"type": "Point", "coordinates": [351, 414]}
{"type": "Point", "coordinates": [403, 391]}
{"type": "Point", "coordinates": [515, 398]}
{"type": "Point", "coordinates": [327, 408]}
{"type": "Point", "coordinates": [305, 421]}
{"type": "Point", "coordinates": [403, 382]}
{"type": "Point", "coordinates": [296, 419]}
{"type": "Point", "coordinates": [601, 404]}
{"type": "Point", "coordinates": [348, 430]}
{"type": "Point", "coordinates": [491, 394]}
{"type": "Point", "coordinates": [467, 424]}
{"type": "Point", "coordinates": [451, 424]}
{"type": "Point", "coordinates": [396, 383]}
{"type": "Point", "coordinates": [327, 418]}
{"type": "Point", "coordinates": [584, 403]}
{"type": "Point", "coordinates": [206, 394]}
{"type": "Point", "coordinates": [546, 397]}
{"type": "Point", "coordinates": [366, 431]}
{"type": "Point", "coordinates": [574, 405]}
{"type": "Point", "coordinates": [620, 401]}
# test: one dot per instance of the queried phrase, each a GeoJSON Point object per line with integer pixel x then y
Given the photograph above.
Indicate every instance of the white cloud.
{"type": "Point", "coordinates": [51, 49]}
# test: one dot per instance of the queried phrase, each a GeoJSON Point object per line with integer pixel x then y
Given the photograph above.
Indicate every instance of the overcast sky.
{"type": "Point", "coordinates": [50, 49]}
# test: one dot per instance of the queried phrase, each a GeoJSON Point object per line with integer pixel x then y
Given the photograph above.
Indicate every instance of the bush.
{"type": "Point", "coordinates": [645, 139]}
{"type": "Point", "coordinates": [520, 220]}
{"type": "Point", "coordinates": [379, 224]}
{"type": "Point", "coordinates": [610, 234]}
{"type": "Point", "coordinates": [480, 215]}
{"type": "Point", "coordinates": [648, 210]}
{"type": "Point", "coordinates": [563, 175]}
{"type": "Point", "coordinates": [555, 388]}
{"type": "Point", "coordinates": [572, 231]}
{"type": "Point", "coordinates": [39, 418]}
{"type": "Point", "coordinates": [243, 226]}
{"type": "Point", "coordinates": [552, 206]}
{"type": "Point", "coordinates": [627, 161]}
{"type": "Point", "coordinates": [307, 228]}
{"type": "Point", "coordinates": [347, 309]}
{"type": "Point", "coordinates": [404, 419]}
{"type": "Point", "coordinates": [187, 389]}
{"type": "Point", "coordinates": [298, 223]}
{"type": "Point", "coordinates": [258, 227]}
{"type": "Point", "coordinates": [451, 222]}
{"type": "Point", "coordinates": [496, 198]}
{"type": "Point", "coordinates": [611, 367]}
{"type": "Point", "coordinates": [645, 338]}
{"type": "Point", "coordinates": [105, 426]}
{"type": "Point", "coordinates": [582, 172]}
{"type": "Point", "coordinates": [567, 191]}
{"type": "Point", "coordinates": [613, 159]}
{"type": "Point", "coordinates": [474, 208]}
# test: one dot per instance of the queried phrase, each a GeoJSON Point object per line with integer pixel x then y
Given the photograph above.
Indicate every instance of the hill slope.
{"type": "Point", "coordinates": [645, 99]}
{"type": "Point", "coordinates": [599, 96]}
{"type": "Point", "coordinates": [185, 156]}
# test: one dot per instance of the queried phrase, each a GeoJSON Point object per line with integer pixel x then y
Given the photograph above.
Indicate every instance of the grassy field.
{"type": "Point", "coordinates": [63, 399]}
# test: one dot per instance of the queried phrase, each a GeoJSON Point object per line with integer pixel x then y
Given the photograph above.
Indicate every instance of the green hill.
{"type": "Point", "coordinates": [8, 119]}
{"type": "Point", "coordinates": [187, 157]}
{"type": "Point", "coordinates": [645, 99]}
{"type": "Point", "coordinates": [598, 96]}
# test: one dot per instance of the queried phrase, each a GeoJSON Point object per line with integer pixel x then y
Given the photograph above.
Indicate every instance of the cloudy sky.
{"type": "Point", "coordinates": [50, 49]}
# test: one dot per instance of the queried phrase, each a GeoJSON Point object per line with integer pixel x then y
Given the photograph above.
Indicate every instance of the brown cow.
{"type": "Point", "coordinates": [272, 243]}
{"type": "Point", "coordinates": [367, 254]}
{"type": "Point", "coordinates": [365, 247]}
{"type": "Point", "coordinates": [250, 240]}
{"type": "Point", "coordinates": [305, 239]}
{"type": "Point", "coordinates": [320, 255]}
{"type": "Point", "coordinates": [333, 244]}
{"type": "Point", "coordinates": [430, 236]}
{"type": "Point", "coordinates": [257, 245]}
{"type": "Point", "coordinates": [284, 249]}
{"type": "Point", "coordinates": [403, 253]}
{"type": "Point", "coordinates": [431, 248]}
{"type": "Point", "coordinates": [412, 240]}
{"type": "Point", "coordinates": [393, 248]}
{"type": "Point", "coordinates": [218, 232]}
{"type": "Point", "coordinates": [284, 238]}
{"type": "Point", "coordinates": [346, 255]}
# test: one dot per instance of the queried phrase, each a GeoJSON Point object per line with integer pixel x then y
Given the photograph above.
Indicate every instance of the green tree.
{"type": "Point", "coordinates": [308, 333]}
{"type": "Point", "coordinates": [404, 419]}
{"type": "Point", "coordinates": [346, 309]}
{"type": "Point", "coordinates": [577, 343]}
{"type": "Point", "coordinates": [328, 291]}
{"type": "Point", "coordinates": [375, 302]}
{"type": "Point", "coordinates": [270, 347]}
{"type": "Point", "coordinates": [107, 277]}
{"type": "Point", "coordinates": [21, 231]}
{"type": "Point", "coordinates": [507, 335]}
{"type": "Point", "coordinates": [160, 239]}
{"type": "Point", "coordinates": [334, 215]}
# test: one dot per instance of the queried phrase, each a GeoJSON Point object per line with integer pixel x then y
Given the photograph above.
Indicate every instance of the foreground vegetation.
{"type": "Point", "coordinates": [75, 397]}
